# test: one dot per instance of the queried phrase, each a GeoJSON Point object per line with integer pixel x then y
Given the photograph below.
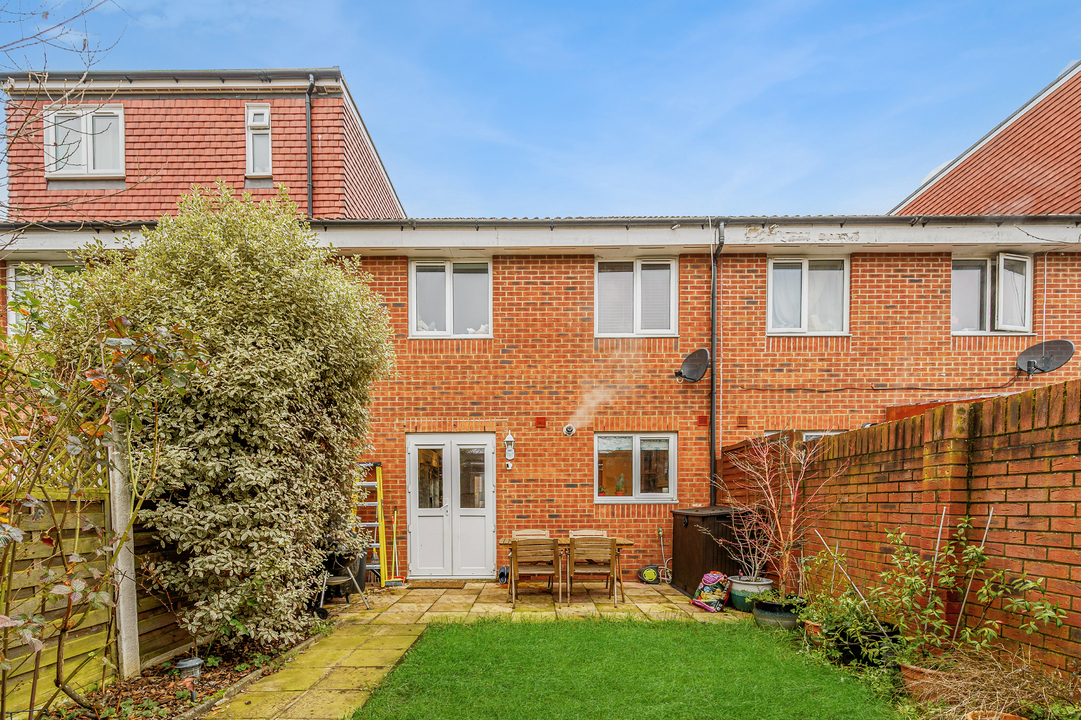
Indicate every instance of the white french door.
{"type": "Point", "coordinates": [451, 488]}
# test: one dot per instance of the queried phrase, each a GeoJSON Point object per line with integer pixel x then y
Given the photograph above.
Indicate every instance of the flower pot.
{"type": "Point", "coordinates": [924, 684]}
{"type": "Point", "coordinates": [776, 614]}
{"type": "Point", "coordinates": [743, 587]}
{"type": "Point", "coordinates": [989, 715]}
{"type": "Point", "coordinates": [814, 632]}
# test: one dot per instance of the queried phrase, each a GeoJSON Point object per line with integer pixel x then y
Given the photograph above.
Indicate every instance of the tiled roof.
{"type": "Point", "coordinates": [1030, 164]}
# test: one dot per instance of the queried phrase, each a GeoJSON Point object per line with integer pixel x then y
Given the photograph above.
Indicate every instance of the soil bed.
{"type": "Point", "coordinates": [160, 693]}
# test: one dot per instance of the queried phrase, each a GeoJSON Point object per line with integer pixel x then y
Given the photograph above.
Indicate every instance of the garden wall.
{"type": "Point", "coordinates": [1018, 454]}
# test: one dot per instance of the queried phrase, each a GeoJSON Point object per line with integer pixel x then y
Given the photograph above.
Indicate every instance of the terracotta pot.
{"type": "Point", "coordinates": [988, 715]}
{"type": "Point", "coordinates": [814, 632]}
{"type": "Point", "coordinates": [923, 684]}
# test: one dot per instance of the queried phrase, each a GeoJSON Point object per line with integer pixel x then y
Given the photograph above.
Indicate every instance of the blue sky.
{"type": "Point", "coordinates": [612, 108]}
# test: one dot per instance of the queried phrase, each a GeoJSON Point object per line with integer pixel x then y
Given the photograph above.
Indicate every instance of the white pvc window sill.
{"type": "Point", "coordinates": [452, 337]}
{"type": "Point", "coordinates": [807, 334]}
{"type": "Point", "coordinates": [1020, 333]}
{"type": "Point", "coordinates": [627, 500]}
{"type": "Point", "coordinates": [638, 335]}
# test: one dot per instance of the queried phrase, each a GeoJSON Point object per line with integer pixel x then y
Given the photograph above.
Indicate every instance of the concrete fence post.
{"type": "Point", "coordinates": [127, 603]}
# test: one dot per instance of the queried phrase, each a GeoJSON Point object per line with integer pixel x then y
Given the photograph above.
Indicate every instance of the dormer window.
{"type": "Point", "coordinates": [258, 140]}
{"type": "Point", "coordinates": [84, 141]}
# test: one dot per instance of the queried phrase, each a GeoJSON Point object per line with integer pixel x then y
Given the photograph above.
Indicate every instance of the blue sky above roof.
{"type": "Point", "coordinates": [622, 108]}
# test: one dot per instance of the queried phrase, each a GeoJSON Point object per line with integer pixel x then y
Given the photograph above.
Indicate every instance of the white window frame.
{"type": "Point", "coordinates": [804, 289]}
{"type": "Point", "coordinates": [251, 128]}
{"type": "Point", "coordinates": [638, 331]}
{"type": "Point", "coordinates": [636, 497]}
{"type": "Point", "coordinates": [448, 269]}
{"type": "Point", "coordinates": [993, 291]}
{"type": "Point", "coordinates": [10, 286]}
{"type": "Point", "coordinates": [812, 435]}
{"type": "Point", "coordinates": [85, 155]}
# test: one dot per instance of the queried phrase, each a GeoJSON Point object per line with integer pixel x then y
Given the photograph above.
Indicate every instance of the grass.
{"type": "Point", "coordinates": [614, 669]}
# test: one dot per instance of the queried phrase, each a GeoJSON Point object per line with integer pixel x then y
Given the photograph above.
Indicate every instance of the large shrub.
{"type": "Point", "coordinates": [258, 459]}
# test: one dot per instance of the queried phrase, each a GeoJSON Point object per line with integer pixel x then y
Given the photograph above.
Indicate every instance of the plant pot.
{"type": "Point", "coordinates": [776, 614]}
{"type": "Point", "coordinates": [743, 587]}
{"type": "Point", "coordinates": [814, 632]}
{"type": "Point", "coordinates": [989, 715]}
{"type": "Point", "coordinates": [923, 684]}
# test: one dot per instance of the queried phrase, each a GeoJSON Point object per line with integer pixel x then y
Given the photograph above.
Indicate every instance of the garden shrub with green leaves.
{"type": "Point", "coordinates": [258, 458]}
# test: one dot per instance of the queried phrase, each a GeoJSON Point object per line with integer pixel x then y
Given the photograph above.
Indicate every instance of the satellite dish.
{"type": "Point", "coordinates": [694, 366]}
{"type": "Point", "coordinates": [1045, 357]}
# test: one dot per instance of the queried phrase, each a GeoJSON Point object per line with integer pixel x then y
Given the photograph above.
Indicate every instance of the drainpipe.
{"type": "Point", "coordinates": [308, 118]}
{"type": "Point", "coordinates": [714, 255]}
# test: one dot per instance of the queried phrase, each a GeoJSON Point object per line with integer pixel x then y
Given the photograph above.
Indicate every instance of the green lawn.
{"type": "Point", "coordinates": [614, 669]}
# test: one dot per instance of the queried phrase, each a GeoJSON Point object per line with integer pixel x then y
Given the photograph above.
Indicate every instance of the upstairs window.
{"type": "Point", "coordinates": [636, 297]}
{"type": "Point", "coordinates": [451, 298]}
{"type": "Point", "coordinates": [84, 141]}
{"type": "Point", "coordinates": [258, 140]}
{"type": "Point", "coordinates": [807, 296]}
{"type": "Point", "coordinates": [991, 294]}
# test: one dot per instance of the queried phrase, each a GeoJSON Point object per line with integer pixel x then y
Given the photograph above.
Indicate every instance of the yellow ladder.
{"type": "Point", "coordinates": [380, 519]}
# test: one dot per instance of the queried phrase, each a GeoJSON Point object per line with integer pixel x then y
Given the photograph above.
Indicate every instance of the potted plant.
{"type": "Point", "coordinates": [775, 490]}
{"type": "Point", "coordinates": [619, 485]}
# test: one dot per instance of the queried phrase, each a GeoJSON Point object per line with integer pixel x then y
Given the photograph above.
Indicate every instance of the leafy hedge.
{"type": "Point", "coordinates": [258, 459]}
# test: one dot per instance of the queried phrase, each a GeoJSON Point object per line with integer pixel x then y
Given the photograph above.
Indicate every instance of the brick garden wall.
{"type": "Point", "coordinates": [899, 349]}
{"type": "Point", "coordinates": [1018, 454]}
{"type": "Point", "coordinates": [545, 362]}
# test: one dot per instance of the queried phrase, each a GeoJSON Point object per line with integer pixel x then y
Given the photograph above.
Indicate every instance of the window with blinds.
{"type": "Point", "coordinates": [635, 297]}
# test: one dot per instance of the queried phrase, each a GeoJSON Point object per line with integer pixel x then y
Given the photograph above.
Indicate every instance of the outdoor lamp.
{"type": "Point", "coordinates": [190, 668]}
{"type": "Point", "coordinates": [509, 442]}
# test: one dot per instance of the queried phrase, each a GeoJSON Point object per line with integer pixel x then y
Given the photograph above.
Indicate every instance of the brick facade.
{"type": "Point", "coordinates": [899, 349]}
{"type": "Point", "coordinates": [545, 362]}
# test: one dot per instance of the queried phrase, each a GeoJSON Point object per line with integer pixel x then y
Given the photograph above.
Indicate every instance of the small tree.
{"type": "Point", "coordinates": [776, 498]}
{"type": "Point", "coordinates": [259, 458]}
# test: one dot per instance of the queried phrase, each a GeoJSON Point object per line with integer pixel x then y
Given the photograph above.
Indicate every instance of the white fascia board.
{"type": "Point", "coordinates": [41, 244]}
{"type": "Point", "coordinates": [825, 239]}
{"type": "Point", "coordinates": [56, 88]}
{"type": "Point", "coordinates": [596, 240]}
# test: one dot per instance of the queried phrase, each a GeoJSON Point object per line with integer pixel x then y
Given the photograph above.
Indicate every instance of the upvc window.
{"type": "Point", "coordinates": [807, 296]}
{"type": "Point", "coordinates": [22, 278]}
{"type": "Point", "coordinates": [84, 141]}
{"type": "Point", "coordinates": [258, 140]}
{"type": "Point", "coordinates": [450, 298]}
{"type": "Point", "coordinates": [636, 297]}
{"type": "Point", "coordinates": [991, 294]}
{"type": "Point", "coordinates": [635, 467]}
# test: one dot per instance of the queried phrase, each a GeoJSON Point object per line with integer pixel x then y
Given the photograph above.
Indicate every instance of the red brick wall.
{"type": "Point", "coordinates": [900, 350]}
{"type": "Point", "coordinates": [174, 143]}
{"type": "Point", "coordinates": [545, 362]}
{"type": "Point", "coordinates": [1018, 454]}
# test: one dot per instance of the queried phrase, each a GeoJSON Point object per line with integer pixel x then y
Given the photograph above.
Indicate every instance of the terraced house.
{"type": "Point", "coordinates": [537, 357]}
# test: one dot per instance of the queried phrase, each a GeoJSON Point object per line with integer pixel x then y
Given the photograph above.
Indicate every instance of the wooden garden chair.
{"type": "Point", "coordinates": [594, 556]}
{"type": "Point", "coordinates": [532, 557]}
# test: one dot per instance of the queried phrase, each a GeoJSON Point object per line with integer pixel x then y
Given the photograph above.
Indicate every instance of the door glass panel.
{"type": "Point", "coordinates": [615, 465]}
{"type": "Point", "coordinates": [430, 478]}
{"type": "Point", "coordinates": [471, 476]}
{"type": "Point", "coordinates": [654, 465]}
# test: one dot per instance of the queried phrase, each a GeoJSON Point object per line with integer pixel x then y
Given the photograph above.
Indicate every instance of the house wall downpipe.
{"type": "Point", "coordinates": [308, 118]}
{"type": "Point", "coordinates": [714, 256]}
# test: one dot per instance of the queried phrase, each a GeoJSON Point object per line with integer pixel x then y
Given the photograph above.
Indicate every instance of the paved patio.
{"type": "Point", "coordinates": [337, 674]}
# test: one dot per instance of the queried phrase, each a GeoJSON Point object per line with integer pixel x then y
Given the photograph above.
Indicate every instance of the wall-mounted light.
{"type": "Point", "coordinates": [509, 442]}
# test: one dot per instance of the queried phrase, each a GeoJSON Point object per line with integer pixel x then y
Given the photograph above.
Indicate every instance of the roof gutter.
{"type": "Point", "coordinates": [308, 120]}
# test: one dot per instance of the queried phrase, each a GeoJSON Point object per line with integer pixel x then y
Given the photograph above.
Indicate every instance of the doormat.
{"type": "Point", "coordinates": [437, 585]}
